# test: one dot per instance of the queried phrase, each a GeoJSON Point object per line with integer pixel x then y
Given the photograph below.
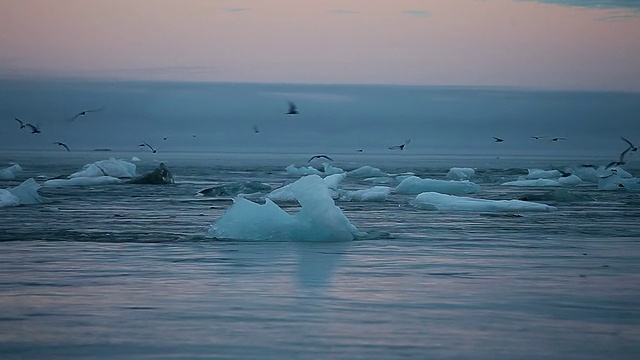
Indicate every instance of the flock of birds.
{"type": "Point", "coordinates": [293, 110]}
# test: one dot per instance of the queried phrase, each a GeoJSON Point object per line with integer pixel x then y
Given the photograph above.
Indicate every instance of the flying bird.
{"type": "Point", "coordinates": [256, 130]}
{"type": "Point", "coordinates": [538, 137]}
{"type": "Point", "coordinates": [165, 138]}
{"type": "Point", "coordinates": [150, 147]}
{"type": "Point", "coordinates": [34, 129]}
{"type": "Point", "coordinates": [557, 138]}
{"type": "Point", "coordinates": [401, 146]}
{"type": "Point", "coordinates": [621, 161]}
{"type": "Point", "coordinates": [62, 144]}
{"type": "Point", "coordinates": [498, 139]}
{"type": "Point", "coordinates": [319, 157]}
{"type": "Point", "coordinates": [85, 112]}
{"type": "Point", "coordinates": [22, 125]}
{"type": "Point", "coordinates": [293, 109]}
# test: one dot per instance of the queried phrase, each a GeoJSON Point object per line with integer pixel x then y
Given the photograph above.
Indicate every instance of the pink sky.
{"type": "Point", "coordinates": [445, 42]}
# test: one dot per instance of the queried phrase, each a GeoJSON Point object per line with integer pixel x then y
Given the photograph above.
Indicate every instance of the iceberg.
{"type": "Point", "coordinates": [83, 181]}
{"type": "Point", "coordinates": [535, 174]}
{"type": "Point", "coordinates": [456, 173]}
{"type": "Point", "coordinates": [367, 172]}
{"type": "Point", "coordinates": [302, 171]}
{"type": "Point", "coordinates": [23, 194]}
{"type": "Point", "coordinates": [319, 219]}
{"type": "Point", "coordinates": [10, 172]}
{"type": "Point", "coordinates": [135, 158]}
{"type": "Point", "coordinates": [111, 167]}
{"type": "Point", "coordinates": [414, 185]}
{"type": "Point", "coordinates": [330, 169]}
{"type": "Point", "coordinates": [616, 182]}
{"type": "Point", "coordinates": [376, 193]}
{"type": "Point", "coordinates": [571, 180]}
{"type": "Point", "coordinates": [437, 201]}
{"type": "Point", "coordinates": [285, 193]}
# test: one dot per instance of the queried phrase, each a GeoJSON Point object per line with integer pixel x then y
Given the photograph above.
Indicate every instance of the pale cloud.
{"type": "Point", "coordinates": [417, 12]}
{"type": "Point", "coordinates": [344, 11]}
{"type": "Point", "coordinates": [598, 4]}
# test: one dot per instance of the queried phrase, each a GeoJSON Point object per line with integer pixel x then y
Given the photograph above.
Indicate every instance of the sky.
{"type": "Point", "coordinates": [544, 44]}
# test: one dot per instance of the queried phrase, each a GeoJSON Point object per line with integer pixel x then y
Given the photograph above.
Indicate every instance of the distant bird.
{"type": "Point", "coordinates": [401, 146]}
{"type": "Point", "coordinates": [557, 139]}
{"type": "Point", "coordinates": [256, 130]}
{"type": "Point", "coordinates": [85, 112]}
{"type": "Point", "coordinates": [194, 135]}
{"type": "Point", "coordinates": [34, 129]}
{"type": "Point", "coordinates": [22, 125]}
{"type": "Point", "coordinates": [62, 144]}
{"type": "Point", "coordinates": [165, 138]}
{"type": "Point", "coordinates": [320, 157]}
{"type": "Point", "coordinates": [538, 137]}
{"type": "Point", "coordinates": [631, 146]}
{"type": "Point", "coordinates": [360, 150]}
{"type": "Point", "coordinates": [498, 139]}
{"type": "Point", "coordinates": [150, 147]}
{"type": "Point", "coordinates": [293, 109]}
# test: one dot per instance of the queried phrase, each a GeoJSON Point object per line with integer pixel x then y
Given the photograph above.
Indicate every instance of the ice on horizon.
{"type": "Point", "coordinates": [111, 167]}
{"type": "Point", "coordinates": [571, 180]}
{"type": "Point", "coordinates": [437, 201]}
{"type": "Point", "coordinates": [319, 219]}
{"type": "Point", "coordinates": [457, 173]}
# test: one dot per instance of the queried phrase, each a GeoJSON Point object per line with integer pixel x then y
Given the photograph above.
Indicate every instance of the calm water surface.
{"type": "Point", "coordinates": [126, 270]}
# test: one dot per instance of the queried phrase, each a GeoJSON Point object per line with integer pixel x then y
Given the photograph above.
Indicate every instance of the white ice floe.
{"type": "Point", "coordinates": [135, 158]}
{"type": "Point", "coordinates": [415, 185]}
{"type": "Point", "coordinates": [319, 219]}
{"type": "Point", "coordinates": [457, 173]}
{"type": "Point", "coordinates": [10, 172]}
{"type": "Point", "coordinates": [615, 182]}
{"type": "Point", "coordinates": [302, 171]}
{"type": "Point", "coordinates": [570, 180]}
{"type": "Point", "coordinates": [111, 167]}
{"type": "Point", "coordinates": [23, 194]}
{"type": "Point", "coordinates": [368, 172]}
{"type": "Point", "coordinates": [437, 201]}
{"type": "Point", "coordinates": [286, 194]}
{"type": "Point", "coordinates": [535, 174]}
{"type": "Point", "coordinates": [84, 181]}
{"type": "Point", "coordinates": [376, 193]}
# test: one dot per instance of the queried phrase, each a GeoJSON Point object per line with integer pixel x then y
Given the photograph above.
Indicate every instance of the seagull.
{"type": "Point", "coordinates": [150, 147]}
{"type": "Point", "coordinates": [557, 138]}
{"type": "Point", "coordinates": [360, 150]}
{"type": "Point", "coordinates": [538, 137]}
{"type": "Point", "coordinates": [622, 155]}
{"type": "Point", "coordinates": [165, 138]}
{"type": "Point", "coordinates": [293, 109]}
{"type": "Point", "coordinates": [319, 157]}
{"type": "Point", "coordinates": [22, 125]}
{"type": "Point", "coordinates": [498, 139]}
{"type": "Point", "coordinates": [34, 129]}
{"type": "Point", "coordinates": [62, 144]}
{"type": "Point", "coordinates": [84, 112]}
{"type": "Point", "coordinates": [401, 146]}
{"type": "Point", "coordinates": [256, 130]}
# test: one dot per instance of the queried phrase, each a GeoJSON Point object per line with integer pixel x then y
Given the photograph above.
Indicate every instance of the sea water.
{"type": "Point", "coordinates": [126, 271]}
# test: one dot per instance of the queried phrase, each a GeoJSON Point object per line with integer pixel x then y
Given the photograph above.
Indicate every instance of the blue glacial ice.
{"type": "Point", "coordinates": [437, 201]}
{"type": "Point", "coordinates": [458, 173]}
{"type": "Point", "coordinates": [84, 181]}
{"type": "Point", "coordinates": [23, 194]}
{"type": "Point", "coordinates": [111, 167]}
{"type": "Point", "coordinates": [10, 172]}
{"type": "Point", "coordinates": [413, 185]}
{"type": "Point", "coordinates": [319, 219]}
{"type": "Point", "coordinates": [367, 172]}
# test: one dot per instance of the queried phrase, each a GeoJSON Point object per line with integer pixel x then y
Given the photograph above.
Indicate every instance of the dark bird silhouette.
{"type": "Point", "coordinates": [319, 157]}
{"type": "Point", "coordinates": [631, 146]}
{"type": "Point", "coordinates": [62, 144]}
{"type": "Point", "coordinates": [557, 139]}
{"type": "Point", "coordinates": [165, 138]}
{"type": "Point", "coordinates": [256, 130]}
{"type": "Point", "coordinates": [34, 129]}
{"type": "Point", "coordinates": [621, 160]}
{"type": "Point", "coordinates": [538, 137]}
{"type": "Point", "coordinates": [149, 146]}
{"type": "Point", "coordinates": [22, 125]}
{"type": "Point", "coordinates": [498, 139]}
{"type": "Point", "coordinates": [85, 112]}
{"type": "Point", "coordinates": [360, 150]}
{"type": "Point", "coordinates": [293, 109]}
{"type": "Point", "coordinates": [401, 146]}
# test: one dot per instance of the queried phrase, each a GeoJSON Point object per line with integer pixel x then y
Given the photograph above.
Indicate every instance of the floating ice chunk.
{"type": "Point", "coordinates": [542, 174]}
{"type": "Point", "coordinates": [333, 181]}
{"type": "Point", "coordinates": [571, 180]}
{"type": "Point", "coordinates": [10, 172]}
{"type": "Point", "coordinates": [302, 171]}
{"type": "Point", "coordinates": [587, 173]}
{"type": "Point", "coordinates": [83, 181]}
{"type": "Point", "coordinates": [381, 180]}
{"type": "Point", "coordinates": [602, 172]}
{"type": "Point", "coordinates": [330, 169]}
{"type": "Point", "coordinates": [615, 182]}
{"type": "Point", "coordinates": [457, 173]}
{"type": "Point", "coordinates": [436, 201]}
{"type": "Point", "coordinates": [319, 219]}
{"type": "Point", "coordinates": [376, 193]}
{"type": "Point", "coordinates": [415, 185]}
{"type": "Point", "coordinates": [367, 171]}
{"type": "Point", "coordinates": [135, 158]}
{"type": "Point", "coordinates": [111, 167]}
{"type": "Point", "coordinates": [537, 182]}
{"type": "Point", "coordinates": [285, 193]}
{"type": "Point", "coordinates": [8, 199]}
{"type": "Point", "coordinates": [27, 192]}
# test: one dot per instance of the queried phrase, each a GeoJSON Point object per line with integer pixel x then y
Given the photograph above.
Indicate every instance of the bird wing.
{"type": "Point", "coordinates": [622, 154]}
{"type": "Point", "coordinates": [623, 139]}
{"type": "Point", "coordinates": [150, 147]}
{"type": "Point", "coordinates": [95, 110]}
{"type": "Point", "coordinates": [20, 121]}
{"type": "Point", "coordinates": [407, 142]}
{"type": "Point", "coordinates": [76, 116]}
{"type": "Point", "coordinates": [292, 106]}
{"type": "Point", "coordinates": [33, 128]}
{"type": "Point", "coordinates": [395, 147]}
{"type": "Point", "coordinates": [64, 146]}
